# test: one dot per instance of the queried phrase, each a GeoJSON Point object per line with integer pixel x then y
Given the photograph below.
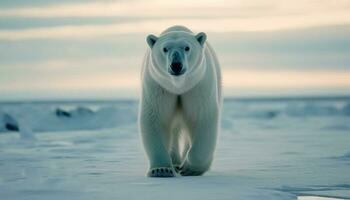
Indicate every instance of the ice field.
{"type": "Point", "coordinates": [267, 149]}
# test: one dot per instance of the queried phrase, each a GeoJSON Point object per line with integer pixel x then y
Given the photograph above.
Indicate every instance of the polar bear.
{"type": "Point", "coordinates": [180, 103]}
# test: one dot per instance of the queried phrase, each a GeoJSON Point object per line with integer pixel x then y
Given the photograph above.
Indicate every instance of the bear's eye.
{"type": "Point", "coordinates": [165, 50]}
{"type": "Point", "coordinates": [187, 48]}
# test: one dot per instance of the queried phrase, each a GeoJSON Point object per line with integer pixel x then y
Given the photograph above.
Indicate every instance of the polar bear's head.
{"type": "Point", "coordinates": [177, 59]}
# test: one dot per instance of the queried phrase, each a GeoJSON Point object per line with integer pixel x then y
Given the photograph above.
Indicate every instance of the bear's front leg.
{"type": "Point", "coordinates": [155, 140]}
{"type": "Point", "coordinates": [204, 134]}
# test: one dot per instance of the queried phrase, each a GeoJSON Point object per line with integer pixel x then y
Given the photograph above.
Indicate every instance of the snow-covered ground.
{"type": "Point", "coordinates": [267, 149]}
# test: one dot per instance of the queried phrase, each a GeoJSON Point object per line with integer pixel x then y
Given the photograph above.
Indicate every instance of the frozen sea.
{"type": "Point", "coordinates": [268, 148]}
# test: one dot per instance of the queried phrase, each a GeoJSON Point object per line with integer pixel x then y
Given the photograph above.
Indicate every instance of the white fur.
{"type": "Point", "coordinates": [179, 115]}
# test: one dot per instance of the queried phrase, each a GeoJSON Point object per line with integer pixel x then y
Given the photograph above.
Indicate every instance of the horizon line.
{"type": "Point", "coordinates": [227, 98]}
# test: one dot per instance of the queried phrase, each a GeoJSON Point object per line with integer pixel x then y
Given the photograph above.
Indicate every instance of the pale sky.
{"type": "Point", "coordinates": [94, 49]}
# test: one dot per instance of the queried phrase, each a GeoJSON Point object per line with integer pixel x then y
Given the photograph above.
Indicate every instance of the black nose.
{"type": "Point", "coordinates": [176, 67]}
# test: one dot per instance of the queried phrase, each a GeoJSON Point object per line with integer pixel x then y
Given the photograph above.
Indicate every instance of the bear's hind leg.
{"type": "Point", "coordinates": [203, 140]}
{"type": "Point", "coordinates": [174, 150]}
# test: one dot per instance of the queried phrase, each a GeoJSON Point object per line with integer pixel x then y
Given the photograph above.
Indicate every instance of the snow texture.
{"type": "Point", "coordinates": [267, 149]}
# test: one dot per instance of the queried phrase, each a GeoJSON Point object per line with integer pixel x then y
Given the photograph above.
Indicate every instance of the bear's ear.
{"type": "Point", "coordinates": [201, 38]}
{"type": "Point", "coordinates": [151, 40]}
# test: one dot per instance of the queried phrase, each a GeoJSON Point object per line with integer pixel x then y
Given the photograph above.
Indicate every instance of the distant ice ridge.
{"type": "Point", "coordinates": [29, 118]}
{"type": "Point", "coordinates": [271, 109]}
{"type": "Point", "coordinates": [46, 118]}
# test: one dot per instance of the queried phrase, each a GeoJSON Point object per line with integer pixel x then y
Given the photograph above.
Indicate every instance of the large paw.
{"type": "Point", "coordinates": [187, 170]}
{"type": "Point", "coordinates": [161, 172]}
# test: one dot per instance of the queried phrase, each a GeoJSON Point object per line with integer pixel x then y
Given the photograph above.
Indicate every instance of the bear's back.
{"type": "Point", "coordinates": [175, 29]}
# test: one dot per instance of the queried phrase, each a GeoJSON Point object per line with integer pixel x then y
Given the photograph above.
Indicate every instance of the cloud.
{"type": "Point", "coordinates": [155, 16]}
{"type": "Point", "coordinates": [285, 79]}
{"type": "Point", "coordinates": [220, 25]}
{"type": "Point", "coordinates": [143, 8]}
{"type": "Point", "coordinates": [180, 8]}
{"type": "Point", "coordinates": [61, 77]}
{"type": "Point", "coordinates": [94, 73]}
{"type": "Point", "coordinates": [34, 79]}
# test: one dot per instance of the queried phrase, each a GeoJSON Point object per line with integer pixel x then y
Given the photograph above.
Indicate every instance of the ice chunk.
{"type": "Point", "coordinates": [10, 123]}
